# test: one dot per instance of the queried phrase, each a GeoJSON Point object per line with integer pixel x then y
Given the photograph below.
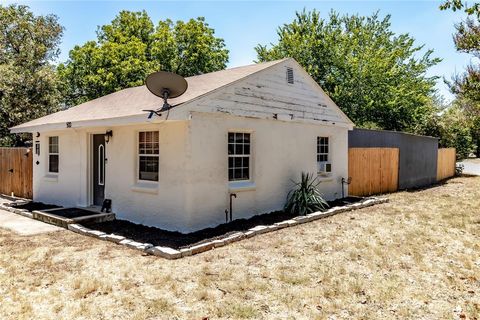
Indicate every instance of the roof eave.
{"type": "Point", "coordinates": [110, 122]}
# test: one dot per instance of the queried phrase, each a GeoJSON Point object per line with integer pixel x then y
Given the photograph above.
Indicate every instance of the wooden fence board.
{"type": "Point", "coordinates": [16, 172]}
{"type": "Point", "coordinates": [446, 163]}
{"type": "Point", "coordinates": [373, 170]}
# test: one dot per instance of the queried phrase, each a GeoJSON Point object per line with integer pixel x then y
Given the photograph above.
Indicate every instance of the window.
{"type": "Point", "coordinates": [101, 165]}
{"type": "Point", "coordinates": [148, 154]}
{"type": "Point", "coordinates": [53, 154]}
{"type": "Point", "coordinates": [238, 156]}
{"type": "Point", "coordinates": [37, 148]}
{"type": "Point", "coordinates": [322, 149]}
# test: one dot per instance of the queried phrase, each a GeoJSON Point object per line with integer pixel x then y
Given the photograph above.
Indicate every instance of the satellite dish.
{"type": "Point", "coordinates": [165, 85]}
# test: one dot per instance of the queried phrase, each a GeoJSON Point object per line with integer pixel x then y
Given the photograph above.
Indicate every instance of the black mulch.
{"type": "Point", "coordinates": [159, 237]}
{"type": "Point", "coordinates": [72, 213]}
{"type": "Point", "coordinates": [32, 206]}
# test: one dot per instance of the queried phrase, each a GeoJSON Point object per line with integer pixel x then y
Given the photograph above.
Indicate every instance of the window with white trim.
{"type": "Point", "coordinates": [53, 151]}
{"type": "Point", "coordinates": [322, 149]}
{"type": "Point", "coordinates": [238, 156]}
{"type": "Point", "coordinates": [148, 155]}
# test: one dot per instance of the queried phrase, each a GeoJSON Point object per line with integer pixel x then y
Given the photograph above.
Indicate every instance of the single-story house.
{"type": "Point", "coordinates": [246, 131]}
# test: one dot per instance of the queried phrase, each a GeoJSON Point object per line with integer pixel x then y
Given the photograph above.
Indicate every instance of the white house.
{"type": "Point", "coordinates": [247, 131]}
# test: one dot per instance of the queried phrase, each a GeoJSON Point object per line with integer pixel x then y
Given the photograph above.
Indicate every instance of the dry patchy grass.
{"type": "Point", "coordinates": [416, 257]}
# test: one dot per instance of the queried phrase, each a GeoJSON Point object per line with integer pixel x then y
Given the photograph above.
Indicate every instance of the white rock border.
{"type": "Point", "coordinates": [171, 253]}
{"type": "Point", "coordinates": [22, 212]}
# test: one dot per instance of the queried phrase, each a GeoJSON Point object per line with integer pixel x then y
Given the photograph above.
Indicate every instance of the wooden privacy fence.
{"type": "Point", "coordinates": [446, 163]}
{"type": "Point", "coordinates": [373, 170]}
{"type": "Point", "coordinates": [16, 167]}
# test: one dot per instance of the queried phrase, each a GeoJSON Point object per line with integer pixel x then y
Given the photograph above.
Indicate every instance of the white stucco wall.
{"type": "Point", "coordinates": [64, 188]}
{"type": "Point", "coordinates": [193, 188]}
{"type": "Point", "coordinates": [160, 204]}
{"type": "Point", "coordinates": [280, 152]}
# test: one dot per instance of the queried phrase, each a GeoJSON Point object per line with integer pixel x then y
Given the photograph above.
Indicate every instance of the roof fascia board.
{"type": "Point", "coordinates": [119, 121]}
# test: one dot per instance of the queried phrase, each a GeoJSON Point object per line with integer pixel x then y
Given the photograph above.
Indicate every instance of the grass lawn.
{"type": "Point", "coordinates": [416, 257]}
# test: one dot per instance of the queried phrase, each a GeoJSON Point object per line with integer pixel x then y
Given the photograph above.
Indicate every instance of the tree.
{"type": "Point", "coordinates": [467, 39]}
{"type": "Point", "coordinates": [466, 86]}
{"type": "Point", "coordinates": [130, 48]}
{"type": "Point", "coordinates": [455, 5]}
{"type": "Point", "coordinates": [455, 131]}
{"type": "Point", "coordinates": [372, 74]}
{"type": "Point", "coordinates": [29, 87]}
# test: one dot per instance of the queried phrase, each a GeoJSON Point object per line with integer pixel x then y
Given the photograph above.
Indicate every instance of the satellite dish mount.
{"type": "Point", "coordinates": [165, 85]}
{"type": "Point", "coordinates": [165, 94]}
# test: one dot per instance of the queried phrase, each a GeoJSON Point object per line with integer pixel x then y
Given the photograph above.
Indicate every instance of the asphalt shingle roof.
{"type": "Point", "coordinates": [131, 101]}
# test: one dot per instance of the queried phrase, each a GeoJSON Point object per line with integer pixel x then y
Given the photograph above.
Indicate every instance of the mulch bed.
{"type": "Point", "coordinates": [177, 240]}
{"type": "Point", "coordinates": [72, 213]}
{"type": "Point", "coordinates": [32, 206]}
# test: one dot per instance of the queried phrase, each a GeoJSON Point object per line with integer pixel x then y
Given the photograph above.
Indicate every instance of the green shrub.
{"type": "Point", "coordinates": [305, 198]}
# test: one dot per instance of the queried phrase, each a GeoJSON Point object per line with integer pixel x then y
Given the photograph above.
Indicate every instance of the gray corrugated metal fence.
{"type": "Point", "coordinates": [417, 159]}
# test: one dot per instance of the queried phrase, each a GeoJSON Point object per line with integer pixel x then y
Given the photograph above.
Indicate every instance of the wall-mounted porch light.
{"type": "Point", "coordinates": [108, 134]}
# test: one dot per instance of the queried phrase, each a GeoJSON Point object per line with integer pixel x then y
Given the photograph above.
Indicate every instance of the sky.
{"type": "Point", "coordinates": [244, 24]}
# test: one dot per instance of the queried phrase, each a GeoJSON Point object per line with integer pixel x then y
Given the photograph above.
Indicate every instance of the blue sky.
{"type": "Point", "coordinates": [244, 24]}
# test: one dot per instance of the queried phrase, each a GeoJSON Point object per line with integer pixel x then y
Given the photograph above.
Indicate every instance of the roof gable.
{"type": "Point", "coordinates": [269, 94]}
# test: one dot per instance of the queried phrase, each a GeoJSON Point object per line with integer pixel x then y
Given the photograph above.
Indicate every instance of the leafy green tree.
{"type": "Point", "coordinates": [130, 48]}
{"type": "Point", "coordinates": [430, 124]}
{"type": "Point", "coordinates": [466, 86]}
{"type": "Point", "coordinates": [470, 9]}
{"type": "Point", "coordinates": [467, 39]}
{"type": "Point", "coordinates": [455, 131]}
{"type": "Point", "coordinates": [371, 73]}
{"type": "Point", "coordinates": [29, 87]}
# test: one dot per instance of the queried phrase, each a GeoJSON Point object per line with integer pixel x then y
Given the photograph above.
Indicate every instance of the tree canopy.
{"type": "Point", "coordinates": [29, 87]}
{"type": "Point", "coordinates": [376, 77]}
{"type": "Point", "coordinates": [131, 47]}
{"type": "Point", "coordinates": [470, 9]}
{"type": "Point", "coordinates": [466, 85]}
{"type": "Point", "coordinates": [467, 39]}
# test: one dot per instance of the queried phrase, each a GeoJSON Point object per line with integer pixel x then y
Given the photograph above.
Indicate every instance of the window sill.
{"type": "Point", "coordinates": [51, 178]}
{"type": "Point", "coordinates": [239, 186]}
{"type": "Point", "coordinates": [145, 187]}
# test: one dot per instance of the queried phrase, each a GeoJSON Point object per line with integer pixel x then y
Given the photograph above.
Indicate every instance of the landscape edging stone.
{"type": "Point", "coordinates": [171, 253]}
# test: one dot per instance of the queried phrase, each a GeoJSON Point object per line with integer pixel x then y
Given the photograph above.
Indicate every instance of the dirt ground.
{"type": "Point", "coordinates": [417, 257]}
